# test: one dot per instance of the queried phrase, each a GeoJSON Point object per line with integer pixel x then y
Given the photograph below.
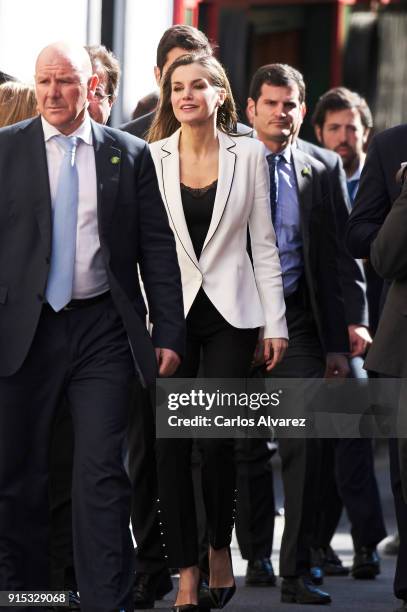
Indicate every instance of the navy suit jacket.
{"type": "Point", "coordinates": [378, 189]}
{"type": "Point", "coordinates": [351, 271]}
{"type": "Point", "coordinates": [133, 230]}
{"type": "Point", "coordinates": [320, 252]}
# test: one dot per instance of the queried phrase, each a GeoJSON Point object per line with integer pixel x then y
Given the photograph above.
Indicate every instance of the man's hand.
{"type": "Point", "coordinates": [359, 338]}
{"type": "Point", "coordinates": [167, 361]}
{"type": "Point", "coordinates": [273, 351]}
{"type": "Point", "coordinates": [337, 366]}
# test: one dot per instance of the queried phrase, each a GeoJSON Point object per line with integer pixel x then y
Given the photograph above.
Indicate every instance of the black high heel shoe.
{"type": "Point", "coordinates": [222, 595]}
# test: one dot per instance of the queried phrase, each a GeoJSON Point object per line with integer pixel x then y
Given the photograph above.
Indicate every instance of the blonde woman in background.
{"type": "Point", "coordinates": [17, 102]}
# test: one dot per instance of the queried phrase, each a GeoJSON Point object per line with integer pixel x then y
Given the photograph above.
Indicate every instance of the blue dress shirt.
{"type": "Point", "coordinates": [287, 223]}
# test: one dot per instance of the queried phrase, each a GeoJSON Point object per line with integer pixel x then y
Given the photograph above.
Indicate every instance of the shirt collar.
{"type": "Point", "coordinates": [356, 175]}
{"type": "Point", "coordinates": [84, 131]}
{"type": "Point", "coordinates": [284, 154]}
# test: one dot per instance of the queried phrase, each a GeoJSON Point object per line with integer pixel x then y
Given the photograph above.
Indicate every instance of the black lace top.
{"type": "Point", "coordinates": [198, 209]}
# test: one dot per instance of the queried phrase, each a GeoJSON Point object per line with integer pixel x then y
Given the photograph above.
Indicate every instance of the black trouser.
{"type": "Point", "coordinates": [60, 495]}
{"type": "Point", "coordinates": [348, 480]}
{"type": "Point", "coordinates": [83, 355]}
{"type": "Point", "coordinates": [143, 476]}
{"type": "Point", "coordinates": [255, 505]}
{"type": "Point", "coordinates": [227, 353]}
{"type": "Point", "coordinates": [300, 459]}
{"type": "Point", "coordinates": [348, 473]}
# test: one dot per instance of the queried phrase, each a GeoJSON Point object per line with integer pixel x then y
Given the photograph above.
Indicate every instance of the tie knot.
{"type": "Point", "coordinates": [272, 159]}
{"type": "Point", "coordinates": [69, 144]}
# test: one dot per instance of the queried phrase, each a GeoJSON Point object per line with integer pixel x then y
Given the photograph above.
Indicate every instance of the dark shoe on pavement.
{"type": "Point", "coordinates": [301, 590]}
{"type": "Point", "coordinates": [329, 562]}
{"type": "Point", "coordinates": [74, 603]}
{"type": "Point", "coordinates": [260, 573]}
{"type": "Point", "coordinates": [392, 545]}
{"type": "Point", "coordinates": [366, 564]}
{"type": "Point", "coordinates": [149, 587]}
{"type": "Point", "coordinates": [74, 600]}
{"type": "Point", "coordinates": [317, 575]}
{"type": "Point", "coordinates": [402, 608]}
{"type": "Point", "coordinates": [332, 564]}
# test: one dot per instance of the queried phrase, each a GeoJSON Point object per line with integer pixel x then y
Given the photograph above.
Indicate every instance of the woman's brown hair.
{"type": "Point", "coordinates": [17, 102]}
{"type": "Point", "coordinates": [165, 122]}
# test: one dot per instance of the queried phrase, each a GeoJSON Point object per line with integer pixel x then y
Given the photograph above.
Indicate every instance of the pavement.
{"type": "Point", "coordinates": [348, 594]}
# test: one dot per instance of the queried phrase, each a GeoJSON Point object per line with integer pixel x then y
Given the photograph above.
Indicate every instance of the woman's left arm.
{"type": "Point", "coordinates": [266, 263]}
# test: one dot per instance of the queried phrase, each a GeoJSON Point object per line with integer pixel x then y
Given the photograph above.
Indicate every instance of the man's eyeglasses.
{"type": "Point", "coordinates": [101, 96]}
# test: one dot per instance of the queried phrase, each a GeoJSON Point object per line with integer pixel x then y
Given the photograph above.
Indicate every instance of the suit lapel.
{"type": "Point", "coordinates": [107, 161]}
{"type": "Point", "coordinates": [172, 193]}
{"type": "Point", "coordinates": [304, 178]}
{"type": "Point", "coordinates": [227, 163]}
{"type": "Point", "coordinates": [36, 181]}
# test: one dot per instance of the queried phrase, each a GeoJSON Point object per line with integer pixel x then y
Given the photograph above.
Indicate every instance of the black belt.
{"type": "Point", "coordinates": [76, 304]}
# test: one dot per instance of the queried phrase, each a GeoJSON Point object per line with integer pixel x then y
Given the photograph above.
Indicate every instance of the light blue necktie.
{"type": "Point", "coordinates": [65, 215]}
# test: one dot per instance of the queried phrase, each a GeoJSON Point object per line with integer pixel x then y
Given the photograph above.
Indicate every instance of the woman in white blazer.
{"type": "Point", "coordinates": [215, 187]}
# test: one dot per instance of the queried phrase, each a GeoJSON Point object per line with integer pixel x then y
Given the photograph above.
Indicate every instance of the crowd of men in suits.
{"type": "Point", "coordinates": [329, 320]}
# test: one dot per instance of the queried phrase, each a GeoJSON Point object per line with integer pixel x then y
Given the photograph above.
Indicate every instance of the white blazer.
{"type": "Point", "coordinates": [224, 270]}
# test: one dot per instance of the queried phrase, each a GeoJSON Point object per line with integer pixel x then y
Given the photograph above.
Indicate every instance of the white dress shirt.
{"type": "Point", "coordinates": [90, 276]}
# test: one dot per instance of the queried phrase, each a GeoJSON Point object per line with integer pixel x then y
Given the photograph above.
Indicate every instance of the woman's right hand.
{"type": "Point", "coordinates": [273, 351]}
{"type": "Point", "coordinates": [269, 351]}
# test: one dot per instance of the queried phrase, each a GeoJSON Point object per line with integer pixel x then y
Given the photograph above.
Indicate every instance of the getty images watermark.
{"type": "Point", "coordinates": [218, 400]}
{"type": "Point", "coordinates": [264, 408]}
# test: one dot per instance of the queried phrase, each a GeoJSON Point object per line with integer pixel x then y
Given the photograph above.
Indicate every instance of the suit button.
{"type": "Point", "coordinates": [47, 260]}
{"type": "Point", "coordinates": [40, 297]}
